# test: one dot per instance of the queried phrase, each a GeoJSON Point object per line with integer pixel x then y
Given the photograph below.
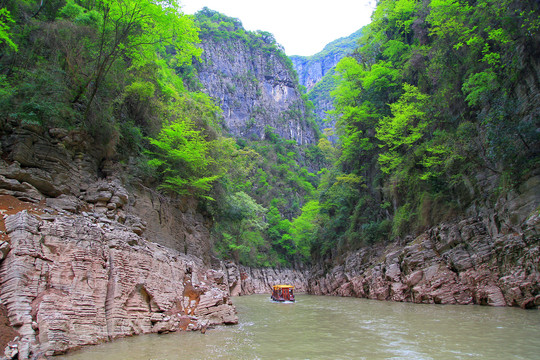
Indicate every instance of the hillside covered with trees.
{"type": "Point", "coordinates": [125, 75]}
{"type": "Point", "coordinates": [438, 117]}
{"type": "Point", "coordinates": [437, 114]}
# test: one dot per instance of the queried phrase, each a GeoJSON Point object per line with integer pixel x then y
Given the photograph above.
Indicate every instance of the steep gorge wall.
{"type": "Point", "coordinates": [317, 74]}
{"type": "Point", "coordinates": [85, 260]}
{"type": "Point", "coordinates": [255, 89]}
{"type": "Point", "coordinates": [66, 172]}
{"type": "Point", "coordinates": [72, 280]}
{"type": "Point", "coordinates": [311, 69]}
{"type": "Point", "coordinates": [247, 281]}
{"type": "Point", "coordinates": [492, 258]}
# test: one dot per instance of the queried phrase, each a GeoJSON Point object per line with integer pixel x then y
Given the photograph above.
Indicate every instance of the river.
{"type": "Point", "coordinates": [323, 327]}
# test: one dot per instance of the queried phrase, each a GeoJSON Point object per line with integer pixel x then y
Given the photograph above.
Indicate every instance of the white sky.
{"type": "Point", "coordinates": [303, 27]}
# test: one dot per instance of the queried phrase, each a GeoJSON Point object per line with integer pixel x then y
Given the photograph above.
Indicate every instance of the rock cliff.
{"type": "Point", "coordinates": [317, 73]}
{"type": "Point", "coordinates": [488, 260]}
{"type": "Point", "coordinates": [79, 264]}
{"type": "Point", "coordinates": [311, 69]}
{"type": "Point", "coordinates": [246, 281]}
{"type": "Point", "coordinates": [254, 84]}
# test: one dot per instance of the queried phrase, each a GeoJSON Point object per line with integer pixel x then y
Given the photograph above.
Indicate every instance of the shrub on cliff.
{"type": "Point", "coordinates": [182, 159]}
{"type": "Point", "coordinates": [433, 96]}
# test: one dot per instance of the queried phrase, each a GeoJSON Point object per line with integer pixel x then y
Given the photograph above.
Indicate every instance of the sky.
{"type": "Point", "coordinates": [303, 27]}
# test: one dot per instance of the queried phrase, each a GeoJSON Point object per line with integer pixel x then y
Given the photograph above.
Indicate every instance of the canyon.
{"type": "Point", "coordinates": [90, 252]}
{"type": "Point", "coordinates": [317, 74]}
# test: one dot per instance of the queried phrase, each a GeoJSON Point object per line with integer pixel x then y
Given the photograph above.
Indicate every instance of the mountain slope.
{"type": "Point", "coordinates": [317, 72]}
{"type": "Point", "coordinates": [252, 80]}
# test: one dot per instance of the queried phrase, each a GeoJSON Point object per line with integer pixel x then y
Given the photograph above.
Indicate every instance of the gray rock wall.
{"type": "Point", "coordinates": [488, 260]}
{"type": "Point", "coordinates": [244, 280]}
{"type": "Point", "coordinates": [312, 69]}
{"type": "Point", "coordinates": [254, 89]}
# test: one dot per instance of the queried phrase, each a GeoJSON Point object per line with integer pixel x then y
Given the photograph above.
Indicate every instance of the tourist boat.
{"type": "Point", "coordinates": [282, 293]}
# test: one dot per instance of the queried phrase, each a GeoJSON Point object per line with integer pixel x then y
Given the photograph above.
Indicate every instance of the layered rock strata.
{"type": "Point", "coordinates": [72, 280]}
{"type": "Point", "coordinates": [460, 263]}
{"type": "Point", "coordinates": [246, 281]}
{"type": "Point", "coordinates": [77, 264]}
{"type": "Point", "coordinates": [59, 168]}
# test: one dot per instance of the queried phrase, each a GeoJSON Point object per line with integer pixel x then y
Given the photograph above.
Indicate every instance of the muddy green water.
{"type": "Point", "coordinates": [317, 327]}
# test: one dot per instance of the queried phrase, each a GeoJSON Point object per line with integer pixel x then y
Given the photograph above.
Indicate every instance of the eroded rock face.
{"type": "Point", "coordinates": [255, 89]}
{"type": "Point", "coordinates": [246, 281]}
{"type": "Point", "coordinates": [40, 166]}
{"type": "Point", "coordinates": [451, 264]}
{"type": "Point", "coordinates": [85, 260]}
{"type": "Point", "coordinates": [173, 223]}
{"type": "Point", "coordinates": [313, 68]}
{"type": "Point", "coordinates": [72, 280]}
{"type": "Point", "coordinates": [57, 167]}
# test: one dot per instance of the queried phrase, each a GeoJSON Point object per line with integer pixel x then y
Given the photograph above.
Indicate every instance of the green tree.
{"type": "Point", "coordinates": [5, 35]}
{"type": "Point", "coordinates": [240, 229]}
{"type": "Point", "coordinates": [405, 128]}
{"type": "Point", "coordinates": [305, 229]}
{"type": "Point", "coordinates": [182, 159]}
{"type": "Point", "coordinates": [278, 233]}
{"type": "Point", "coordinates": [138, 31]}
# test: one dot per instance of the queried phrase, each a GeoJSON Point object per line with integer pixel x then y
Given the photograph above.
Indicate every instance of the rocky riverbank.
{"type": "Point", "coordinates": [80, 266]}
{"type": "Point", "coordinates": [72, 280]}
{"type": "Point", "coordinates": [490, 260]}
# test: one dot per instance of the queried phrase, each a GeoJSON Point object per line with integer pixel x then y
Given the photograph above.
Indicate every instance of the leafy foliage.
{"type": "Point", "coordinates": [182, 158]}
{"type": "Point", "coordinates": [430, 98]}
{"type": "Point", "coordinates": [5, 37]}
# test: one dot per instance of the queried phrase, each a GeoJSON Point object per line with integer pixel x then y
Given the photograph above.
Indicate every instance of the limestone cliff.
{"type": "Point", "coordinates": [252, 80]}
{"type": "Point", "coordinates": [317, 73]}
{"type": "Point", "coordinates": [311, 69]}
{"type": "Point", "coordinates": [491, 259]}
{"type": "Point", "coordinates": [83, 259]}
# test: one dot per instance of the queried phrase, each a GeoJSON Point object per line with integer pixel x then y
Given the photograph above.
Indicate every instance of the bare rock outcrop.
{"type": "Point", "coordinates": [451, 264]}
{"type": "Point", "coordinates": [492, 258]}
{"type": "Point", "coordinates": [244, 280]}
{"type": "Point", "coordinates": [255, 89]}
{"type": "Point", "coordinates": [40, 161]}
{"type": "Point", "coordinates": [74, 280]}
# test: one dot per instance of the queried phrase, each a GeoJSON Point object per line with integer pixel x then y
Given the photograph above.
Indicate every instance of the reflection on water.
{"type": "Point", "coordinates": [317, 327]}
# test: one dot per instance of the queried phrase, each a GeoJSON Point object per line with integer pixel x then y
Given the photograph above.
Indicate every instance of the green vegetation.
{"type": "Point", "coordinates": [337, 48]}
{"type": "Point", "coordinates": [436, 96]}
{"type": "Point", "coordinates": [122, 72]}
{"type": "Point", "coordinates": [262, 222]}
{"type": "Point", "coordinates": [5, 36]}
{"type": "Point", "coordinates": [432, 97]}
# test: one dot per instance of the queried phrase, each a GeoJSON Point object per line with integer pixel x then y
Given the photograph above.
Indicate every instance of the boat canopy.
{"type": "Point", "coordinates": [283, 287]}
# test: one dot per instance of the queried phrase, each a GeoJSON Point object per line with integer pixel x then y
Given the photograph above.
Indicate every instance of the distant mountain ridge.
{"type": "Point", "coordinates": [317, 72]}
{"type": "Point", "coordinates": [311, 69]}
